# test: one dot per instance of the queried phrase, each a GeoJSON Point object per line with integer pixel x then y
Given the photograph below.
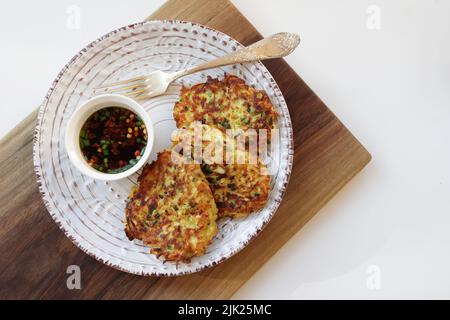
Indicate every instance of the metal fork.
{"type": "Point", "coordinates": [157, 82]}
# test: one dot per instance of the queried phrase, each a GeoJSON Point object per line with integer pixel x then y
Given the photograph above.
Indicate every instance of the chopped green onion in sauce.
{"type": "Point", "coordinates": [113, 139]}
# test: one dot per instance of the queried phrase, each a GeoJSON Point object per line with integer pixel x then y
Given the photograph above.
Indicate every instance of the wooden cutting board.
{"type": "Point", "coordinates": [35, 253]}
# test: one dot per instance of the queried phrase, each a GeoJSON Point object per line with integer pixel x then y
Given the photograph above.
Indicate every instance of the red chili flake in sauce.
{"type": "Point", "coordinates": [113, 139]}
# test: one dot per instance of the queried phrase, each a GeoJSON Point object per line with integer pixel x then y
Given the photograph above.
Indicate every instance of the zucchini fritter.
{"type": "Point", "coordinates": [239, 187]}
{"type": "Point", "coordinates": [227, 104]}
{"type": "Point", "coordinates": [172, 209]}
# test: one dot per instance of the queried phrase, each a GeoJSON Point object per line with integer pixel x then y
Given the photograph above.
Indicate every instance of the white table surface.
{"type": "Point", "coordinates": [383, 66]}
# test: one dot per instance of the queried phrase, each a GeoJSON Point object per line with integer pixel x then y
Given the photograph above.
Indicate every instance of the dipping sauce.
{"type": "Point", "coordinates": [113, 139]}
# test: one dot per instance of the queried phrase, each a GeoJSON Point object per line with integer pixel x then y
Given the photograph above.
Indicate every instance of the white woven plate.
{"type": "Point", "coordinates": [91, 212]}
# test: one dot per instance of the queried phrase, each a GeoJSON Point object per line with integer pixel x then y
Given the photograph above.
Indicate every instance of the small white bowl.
{"type": "Point", "coordinates": [80, 116]}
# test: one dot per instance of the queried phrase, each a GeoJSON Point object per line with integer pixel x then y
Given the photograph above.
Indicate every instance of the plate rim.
{"type": "Point", "coordinates": [44, 193]}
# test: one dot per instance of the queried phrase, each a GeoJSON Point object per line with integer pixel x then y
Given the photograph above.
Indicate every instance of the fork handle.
{"type": "Point", "coordinates": [275, 46]}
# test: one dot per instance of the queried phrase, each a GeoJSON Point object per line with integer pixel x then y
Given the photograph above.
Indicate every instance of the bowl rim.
{"type": "Point", "coordinates": [79, 117]}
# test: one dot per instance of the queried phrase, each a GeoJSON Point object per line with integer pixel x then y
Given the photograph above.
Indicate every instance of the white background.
{"type": "Point", "coordinates": [387, 233]}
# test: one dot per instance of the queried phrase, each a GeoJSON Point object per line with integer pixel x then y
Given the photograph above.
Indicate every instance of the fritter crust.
{"type": "Point", "coordinates": [238, 188]}
{"type": "Point", "coordinates": [227, 104]}
{"type": "Point", "coordinates": [172, 209]}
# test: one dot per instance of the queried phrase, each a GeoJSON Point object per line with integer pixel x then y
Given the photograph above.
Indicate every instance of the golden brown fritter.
{"type": "Point", "coordinates": [227, 104]}
{"type": "Point", "coordinates": [172, 209]}
{"type": "Point", "coordinates": [239, 187]}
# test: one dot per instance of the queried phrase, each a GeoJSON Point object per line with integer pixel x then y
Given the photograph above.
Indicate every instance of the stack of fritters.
{"type": "Point", "coordinates": [176, 204]}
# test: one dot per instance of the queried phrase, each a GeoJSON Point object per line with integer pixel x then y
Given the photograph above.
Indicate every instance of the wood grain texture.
{"type": "Point", "coordinates": [35, 253]}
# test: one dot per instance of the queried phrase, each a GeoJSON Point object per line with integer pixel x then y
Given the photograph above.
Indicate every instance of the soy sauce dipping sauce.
{"type": "Point", "coordinates": [113, 139]}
